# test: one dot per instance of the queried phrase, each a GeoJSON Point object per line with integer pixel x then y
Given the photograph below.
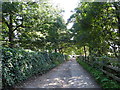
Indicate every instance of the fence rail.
{"type": "Point", "coordinates": [109, 66]}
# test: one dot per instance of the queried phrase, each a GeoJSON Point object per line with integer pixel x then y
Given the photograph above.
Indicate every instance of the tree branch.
{"type": "Point", "coordinates": [3, 20]}
{"type": "Point", "coordinates": [18, 27]}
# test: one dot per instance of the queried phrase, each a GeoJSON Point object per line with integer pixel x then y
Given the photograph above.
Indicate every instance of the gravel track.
{"type": "Point", "coordinates": [67, 75]}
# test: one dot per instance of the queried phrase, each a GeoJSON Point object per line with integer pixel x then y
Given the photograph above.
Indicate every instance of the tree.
{"type": "Point", "coordinates": [33, 25]}
{"type": "Point", "coordinates": [96, 26]}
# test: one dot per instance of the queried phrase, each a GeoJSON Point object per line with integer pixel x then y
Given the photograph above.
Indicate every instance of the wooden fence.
{"type": "Point", "coordinates": [109, 66]}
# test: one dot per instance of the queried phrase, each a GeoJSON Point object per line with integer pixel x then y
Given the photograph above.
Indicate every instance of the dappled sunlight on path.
{"type": "Point", "coordinates": [67, 75]}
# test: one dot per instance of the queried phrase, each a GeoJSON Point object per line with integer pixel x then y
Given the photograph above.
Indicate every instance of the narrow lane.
{"type": "Point", "coordinates": [68, 75]}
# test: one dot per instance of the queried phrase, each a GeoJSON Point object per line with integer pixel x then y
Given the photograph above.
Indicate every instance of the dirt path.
{"type": "Point", "coordinates": [67, 75]}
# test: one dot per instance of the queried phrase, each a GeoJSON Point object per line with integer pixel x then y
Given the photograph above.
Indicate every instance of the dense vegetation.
{"type": "Point", "coordinates": [18, 65]}
{"type": "Point", "coordinates": [32, 39]}
{"type": "Point", "coordinates": [34, 34]}
{"type": "Point", "coordinates": [32, 25]}
{"type": "Point", "coordinates": [96, 32]}
{"type": "Point", "coordinates": [103, 80]}
{"type": "Point", "coordinates": [96, 29]}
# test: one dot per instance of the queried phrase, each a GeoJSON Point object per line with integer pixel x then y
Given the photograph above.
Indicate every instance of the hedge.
{"type": "Point", "coordinates": [18, 65]}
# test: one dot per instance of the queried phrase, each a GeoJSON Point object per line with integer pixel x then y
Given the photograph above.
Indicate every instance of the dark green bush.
{"type": "Point", "coordinates": [18, 64]}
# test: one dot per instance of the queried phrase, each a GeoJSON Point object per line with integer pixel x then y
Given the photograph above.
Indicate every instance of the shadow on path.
{"type": "Point", "coordinates": [68, 75]}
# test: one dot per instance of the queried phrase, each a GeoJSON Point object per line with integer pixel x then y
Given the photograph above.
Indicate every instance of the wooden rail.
{"type": "Point", "coordinates": [101, 66]}
{"type": "Point", "coordinates": [113, 68]}
{"type": "Point", "coordinates": [111, 75]}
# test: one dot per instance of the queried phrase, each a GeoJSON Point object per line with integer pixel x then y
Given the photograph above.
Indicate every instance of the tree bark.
{"type": "Point", "coordinates": [85, 52]}
{"type": "Point", "coordinates": [55, 50]}
{"type": "Point", "coordinates": [11, 33]}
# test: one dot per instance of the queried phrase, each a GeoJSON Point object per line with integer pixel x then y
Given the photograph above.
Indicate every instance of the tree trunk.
{"type": "Point", "coordinates": [11, 33]}
{"type": "Point", "coordinates": [85, 52]}
{"type": "Point", "coordinates": [55, 50]}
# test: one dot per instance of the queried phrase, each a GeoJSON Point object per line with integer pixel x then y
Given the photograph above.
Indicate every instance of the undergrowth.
{"type": "Point", "coordinates": [103, 80]}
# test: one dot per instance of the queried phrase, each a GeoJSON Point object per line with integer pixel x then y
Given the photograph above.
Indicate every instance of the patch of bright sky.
{"type": "Point", "coordinates": [68, 6]}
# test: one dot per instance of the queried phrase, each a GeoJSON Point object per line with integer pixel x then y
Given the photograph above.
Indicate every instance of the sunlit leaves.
{"type": "Point", "coordinates": [95, 25]}
{"type": "Point", "coordinates": [34, 24]}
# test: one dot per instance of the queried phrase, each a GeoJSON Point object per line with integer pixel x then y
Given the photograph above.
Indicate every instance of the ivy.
{"type": "Point", "coordinates": [19, 64]}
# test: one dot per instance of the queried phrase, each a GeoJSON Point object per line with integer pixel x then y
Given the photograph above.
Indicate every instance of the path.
{"type": "Point", "coordinates": [67, 75]}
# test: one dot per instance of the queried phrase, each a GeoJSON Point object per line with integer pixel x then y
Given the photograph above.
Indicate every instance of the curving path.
{"type": "Point", "coordinates": [68, 75]}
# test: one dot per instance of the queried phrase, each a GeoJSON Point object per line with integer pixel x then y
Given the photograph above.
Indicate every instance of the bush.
{"type": "Point", "coordinates": [18, 64]}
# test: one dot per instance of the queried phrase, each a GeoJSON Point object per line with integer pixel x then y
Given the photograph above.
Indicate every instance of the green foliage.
{"type": "Point", "coordinates": [18, 64]}
{"type": "Point", "coordinates": [32, 25]}
{"type": "Point", "coordinates": [103, 80]}
{"type": "Point", "coordinates": [96, 25]}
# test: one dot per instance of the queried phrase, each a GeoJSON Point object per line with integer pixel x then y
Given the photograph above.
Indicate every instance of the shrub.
{"type": "Point", "coordinates": [19, 64]}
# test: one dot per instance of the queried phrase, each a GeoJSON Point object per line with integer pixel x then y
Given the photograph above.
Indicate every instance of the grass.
{"type": "Point", "coordinates": [103, 80]}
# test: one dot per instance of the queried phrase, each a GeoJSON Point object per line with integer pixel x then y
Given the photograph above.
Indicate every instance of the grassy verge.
{"type": "Point", "coordinates": [103, 80]}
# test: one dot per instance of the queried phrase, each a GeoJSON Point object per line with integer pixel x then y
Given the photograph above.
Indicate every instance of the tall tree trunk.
{"type": "Point", "coordinates": [90, 53]}
{"type": "Point", "coordinates": [11, 33]}
{"type": "Point", "coordinates": [55, 50]}
{"type": "Point", "coordinates": [85, 52]}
